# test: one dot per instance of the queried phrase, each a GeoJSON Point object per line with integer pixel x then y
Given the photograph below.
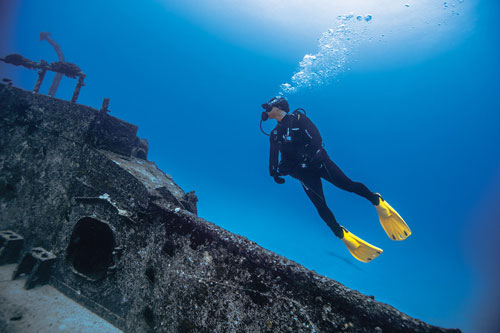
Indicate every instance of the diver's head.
{"type": "Point", "coordinates": [276, 108]}
{"type": "Point", "coordinates": [276, 113]}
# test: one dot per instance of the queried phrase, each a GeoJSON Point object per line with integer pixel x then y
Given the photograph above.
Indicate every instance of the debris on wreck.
{"type": "Point", "coordinates": [60, 67]}
{"type": "Point", "coordinates": [55, 83]}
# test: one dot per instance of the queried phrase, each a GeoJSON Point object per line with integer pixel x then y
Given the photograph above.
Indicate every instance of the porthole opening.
{"type": "Point", "coordinates": [90, 250]}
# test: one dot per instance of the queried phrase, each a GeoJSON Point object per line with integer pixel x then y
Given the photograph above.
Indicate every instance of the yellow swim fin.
{"type": "Point", "coordinates": [393, 224]}
{"type": "Point", "coordinates": [360, 249]}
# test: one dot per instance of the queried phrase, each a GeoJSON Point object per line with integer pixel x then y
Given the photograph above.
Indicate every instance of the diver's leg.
{"type": "Point", "coordinates": [332, 173]}
{"type": "Point", "coordinates": [314, 190]}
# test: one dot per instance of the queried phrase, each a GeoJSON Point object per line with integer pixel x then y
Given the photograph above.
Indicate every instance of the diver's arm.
{"type": "Point", "coordinates": [273, 157]}
{"type": "Point", "coordinates": [273, 161]}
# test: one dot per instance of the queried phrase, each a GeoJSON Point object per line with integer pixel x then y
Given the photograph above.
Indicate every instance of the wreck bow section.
{"type": "Point", "coordinates": [129, 244]}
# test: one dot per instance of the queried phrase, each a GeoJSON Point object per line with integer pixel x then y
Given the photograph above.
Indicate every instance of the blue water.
{"type": "Point", "coordinates": [407, 102]}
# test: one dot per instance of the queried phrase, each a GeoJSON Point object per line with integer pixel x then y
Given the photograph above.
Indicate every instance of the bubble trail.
{"type": "Point", "coordinates": [333, 50]}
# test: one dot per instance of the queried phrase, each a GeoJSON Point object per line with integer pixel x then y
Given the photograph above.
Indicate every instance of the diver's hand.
{"type": "Point", "coordinates": [278, 179]}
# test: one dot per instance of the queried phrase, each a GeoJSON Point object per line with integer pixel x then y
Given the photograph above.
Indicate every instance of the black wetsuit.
{"type": "Point", "coordinates": [304, 158]}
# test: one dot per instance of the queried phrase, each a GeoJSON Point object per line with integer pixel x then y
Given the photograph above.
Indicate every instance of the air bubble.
{"type": "Point", "coordinates": [334, 48]}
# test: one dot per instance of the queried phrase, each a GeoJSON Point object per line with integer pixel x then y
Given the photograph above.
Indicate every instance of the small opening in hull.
{"type": "Point", "coordinates": [90, 250]}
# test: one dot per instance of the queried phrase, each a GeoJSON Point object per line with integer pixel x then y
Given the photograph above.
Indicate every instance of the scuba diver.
{"type": "Point", "coordinates": [304, 158]}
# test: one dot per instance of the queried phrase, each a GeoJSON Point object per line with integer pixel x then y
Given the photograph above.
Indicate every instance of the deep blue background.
{"type": "Point", "coordinates": [425, 135]}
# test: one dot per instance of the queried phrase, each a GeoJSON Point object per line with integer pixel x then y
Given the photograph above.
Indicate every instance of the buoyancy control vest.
{"type": "Point", "coordinates": [296, 138]}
